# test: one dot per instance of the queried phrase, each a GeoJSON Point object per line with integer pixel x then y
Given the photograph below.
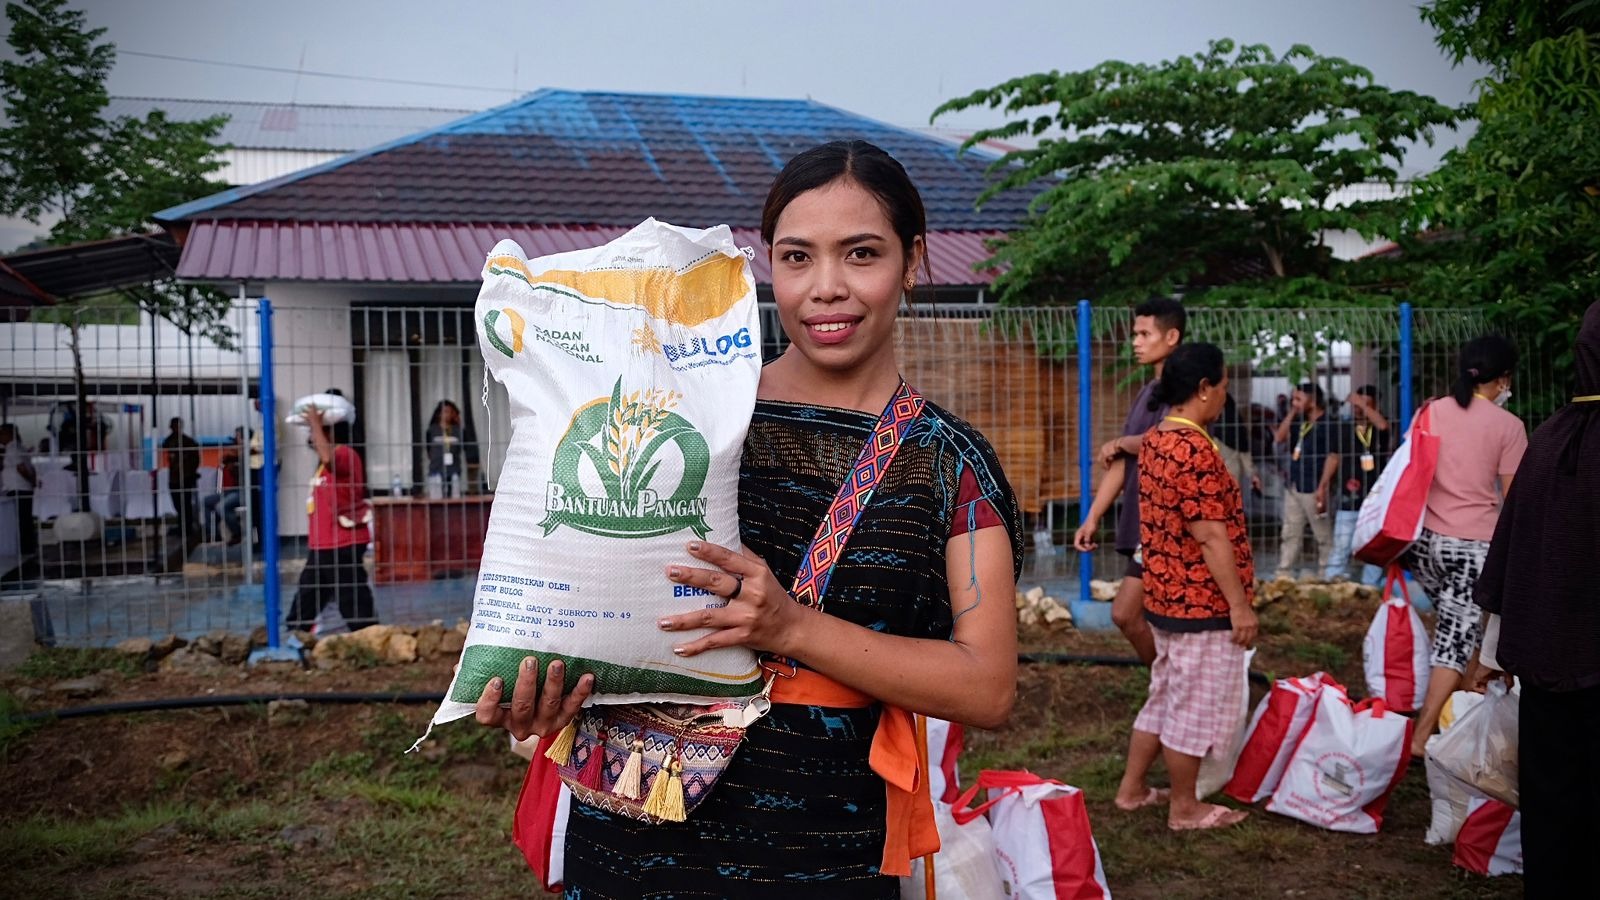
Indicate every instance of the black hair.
{"type": "Point", "coordinates": [334, 391]}
{"type": "Point", "coordinates": [175, 420]}
{"type": "Point", "coordinates": [1314, 390]}
{"type": "Point", "coordinates": [438, 413]}
{"type": "Point", "coordinates": [340, 433]}
{"type": "Point", "coordinates": [1168, 313]}
{"type": "Point", "coordinates": [863, 163]}
{"type": "Point", "coordinates": [1183, 371]}
{"type": "Point", "coordinates": [1483, 359]}
{"type": "Point", "coordinates": [1230, 426]}
{"type": "Point", "coordinates": [1368, 390]}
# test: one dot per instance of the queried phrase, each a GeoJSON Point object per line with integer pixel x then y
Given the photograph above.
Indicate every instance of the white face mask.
{"type": "Point", "coordinates": [1503, 398]}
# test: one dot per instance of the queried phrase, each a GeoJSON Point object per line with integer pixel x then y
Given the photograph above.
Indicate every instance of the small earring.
{"type": "Point", "coordinates": [910, 283]}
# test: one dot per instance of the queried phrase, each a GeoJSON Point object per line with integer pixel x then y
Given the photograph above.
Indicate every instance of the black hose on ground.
{"type": "Point", "coordinates": [167, 704]}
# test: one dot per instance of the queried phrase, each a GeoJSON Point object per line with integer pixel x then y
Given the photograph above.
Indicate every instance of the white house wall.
{"type": "Point", "coordinates": [311, 353]}
{"type": "Point", "coordinates": [244, 165]}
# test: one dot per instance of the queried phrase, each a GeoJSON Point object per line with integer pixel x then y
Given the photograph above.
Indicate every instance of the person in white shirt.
{"type": "Point", "coordinates": [17, 481]}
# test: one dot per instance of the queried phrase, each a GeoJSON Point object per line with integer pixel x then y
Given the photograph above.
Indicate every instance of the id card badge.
{"type": "Point", "coordinates": [1138, 555]}
{"type": "Point", "coordinates": [1368, 462]}
{"type": "Point", "coordinates": [449, 459]}
{"type": "Point", "coordinates": [1296, 454]}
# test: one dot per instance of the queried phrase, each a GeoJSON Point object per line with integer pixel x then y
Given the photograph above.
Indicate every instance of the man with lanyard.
{"type": "Point", "coordinates": [1312, 468]}
{"type": "Point", "coordinates": [1363, 451]}
{"type": "Point", "coordinates": [1158, 326]}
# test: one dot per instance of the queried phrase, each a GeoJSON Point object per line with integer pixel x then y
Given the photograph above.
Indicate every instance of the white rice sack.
{"type": "Point", "coordinates": [335, 408]}
{"type": "Point", "coordinates": [631, 370]}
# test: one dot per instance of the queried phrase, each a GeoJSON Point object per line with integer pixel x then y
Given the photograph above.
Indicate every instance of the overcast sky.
{"type": "Point", "coordinates": [892, 61]}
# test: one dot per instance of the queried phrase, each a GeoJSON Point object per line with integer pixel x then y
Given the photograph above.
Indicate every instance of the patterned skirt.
{"type": "Point", "coordinates": [797, 814]}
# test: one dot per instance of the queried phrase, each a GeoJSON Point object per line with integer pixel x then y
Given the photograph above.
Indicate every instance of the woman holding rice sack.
{"type": "Point", "coordinates": [1198, 577]}
{"type": "Point", "coordinates": [917, 615]}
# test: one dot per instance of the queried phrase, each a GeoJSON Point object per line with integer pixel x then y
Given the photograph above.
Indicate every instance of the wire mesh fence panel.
{"type": "Point", "coordinates": [119, 526]}
{"type": "Point", "coordinates": [124, 512]}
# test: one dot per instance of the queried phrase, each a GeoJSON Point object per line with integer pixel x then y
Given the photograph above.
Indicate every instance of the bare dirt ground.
{"type": "Point", "coordinates": [223, 803]}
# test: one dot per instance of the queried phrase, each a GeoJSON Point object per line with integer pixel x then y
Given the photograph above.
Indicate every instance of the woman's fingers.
{"type": "Point", "coordinates": [570, 707]}
{"type": "Point", "coordinates": [726, 637]}
{"type": "Point", "coordinates": [488, 710]}
{"type": "Point", "coordinates": [720, 583]}
{"type": "Point", "coordinates": [718, 617]}
{"type": "Point", "coordinates": [722, 558]}
{"type": "Point", "coordinates": [526, 694]}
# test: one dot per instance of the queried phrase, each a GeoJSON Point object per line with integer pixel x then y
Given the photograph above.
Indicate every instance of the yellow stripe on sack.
{"type": "Point", "coordinates": [686, 298]}
{"type": "Point", "coordinates": [731, 678]}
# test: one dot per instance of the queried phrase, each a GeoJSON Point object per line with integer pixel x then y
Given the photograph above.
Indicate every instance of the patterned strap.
{"type": "Point", "coordinates": [816, 568]}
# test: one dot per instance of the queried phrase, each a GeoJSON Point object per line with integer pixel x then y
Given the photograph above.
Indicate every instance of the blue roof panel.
{"type": "Point", "coordinates": [586, 158]}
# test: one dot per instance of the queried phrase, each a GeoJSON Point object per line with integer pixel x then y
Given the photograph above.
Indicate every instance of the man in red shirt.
{"type": "Point", "coordinates": [334, 575]}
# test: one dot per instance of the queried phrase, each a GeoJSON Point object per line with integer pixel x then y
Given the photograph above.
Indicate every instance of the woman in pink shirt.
{"type": "Point", "coordinates": [1480, 445]}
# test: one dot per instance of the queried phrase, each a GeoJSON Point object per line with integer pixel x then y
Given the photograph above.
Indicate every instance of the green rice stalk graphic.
{"type": "Point", "coordinates": [636, 428]}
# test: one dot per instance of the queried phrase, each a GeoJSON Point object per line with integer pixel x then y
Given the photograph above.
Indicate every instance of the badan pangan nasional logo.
{"type": "Point", "coordinates": [625, 439]}
{"type": "Point", "coordinates": [503, 328]}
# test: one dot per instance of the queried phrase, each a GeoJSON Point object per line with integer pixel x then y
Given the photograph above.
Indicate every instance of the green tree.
{"type": "Point", "coordinates": [62, 158]}
{"type": "Point", "coordinates": [1511, 220]}
{"type": "Point", "coordinates": [1212, 176]}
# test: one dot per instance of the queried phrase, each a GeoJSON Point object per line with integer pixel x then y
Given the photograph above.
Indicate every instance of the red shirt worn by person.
{"type": "Point", "coordinates": [1183, 479]}
{"type": "Point", "coordinates": [338, 492]}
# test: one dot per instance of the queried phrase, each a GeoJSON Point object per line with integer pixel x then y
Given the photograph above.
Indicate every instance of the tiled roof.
{"type": "Point", "coordinates": [276, 126]}
{"type": "Point", "coordinates": [410, 252]}
{"type": "Point", "coordinates": [577, 158]}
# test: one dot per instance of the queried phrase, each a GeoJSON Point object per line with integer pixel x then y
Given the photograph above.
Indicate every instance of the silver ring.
{"type": "Point", "coordinates": [738, 585]}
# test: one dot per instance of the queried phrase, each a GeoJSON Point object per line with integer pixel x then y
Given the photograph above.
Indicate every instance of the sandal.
{"type": "Point", "coordinates": [1151, 798]}
{"type": "Point", "coordinates": [1218, 817]}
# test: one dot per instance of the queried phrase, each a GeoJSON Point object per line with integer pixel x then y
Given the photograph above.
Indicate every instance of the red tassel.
{"type": "Point", "coordinates": [593, 771]}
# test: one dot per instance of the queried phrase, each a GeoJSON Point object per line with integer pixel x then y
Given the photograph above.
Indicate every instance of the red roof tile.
{"type": "Point", "coordinates": [452, 253]}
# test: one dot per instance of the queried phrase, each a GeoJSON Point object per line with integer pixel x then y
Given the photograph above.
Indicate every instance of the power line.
{"type": "Point", "coordinates": [306, 72]}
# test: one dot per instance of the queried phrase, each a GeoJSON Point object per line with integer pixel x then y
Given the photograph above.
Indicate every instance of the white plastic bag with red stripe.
{"type": "Point", "coordinates": [539, 825]}
{"type": "Point", "coordinates": [1044, 847]}
{"type": "Point", "coordinates": [946, 740]}
{"type": "Point", "coordinates": [1490, 840]}
{"type": "Point", "coordinates": [1346, 765]}
{"type": "Point", "coordinates": [1280, 718]}
{"type": "Point", "coordinates": [1216, 769]}
{"type": "Point", "coordinates": [1391, 516]}
{"type": "Point", "coordinates": [1395, 654]}
{"type": "Point", "coordinates": [965, 866]}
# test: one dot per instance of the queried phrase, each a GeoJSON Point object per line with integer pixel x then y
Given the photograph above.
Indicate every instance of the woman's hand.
{"type": "Point", "coordinates": [1245, 625]}
{"type": "Point", "coordinates": [533, 711]}
{"type": "Point", "coordinates": [1110, 452]}
{"type": "Point", "coordinates": [1479, 675]}
{"type": "Point", "coordinates": [1083, 540]}
{"type": "Point", "coordinates": [759, 614]}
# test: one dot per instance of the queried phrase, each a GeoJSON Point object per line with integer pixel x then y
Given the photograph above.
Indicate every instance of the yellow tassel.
{"type": "Point", "coordinates": [656, 803]}
{"type": "Point", "coordinates": [560, 750]}
{"type": "Point", "coordinates": [672, 805]}
{"type": "Point", "coordinates": [632, 772]}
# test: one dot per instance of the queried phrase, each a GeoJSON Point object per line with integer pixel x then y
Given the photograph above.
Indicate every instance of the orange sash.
{"type": "Point", "coordinates": [897, 758]}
